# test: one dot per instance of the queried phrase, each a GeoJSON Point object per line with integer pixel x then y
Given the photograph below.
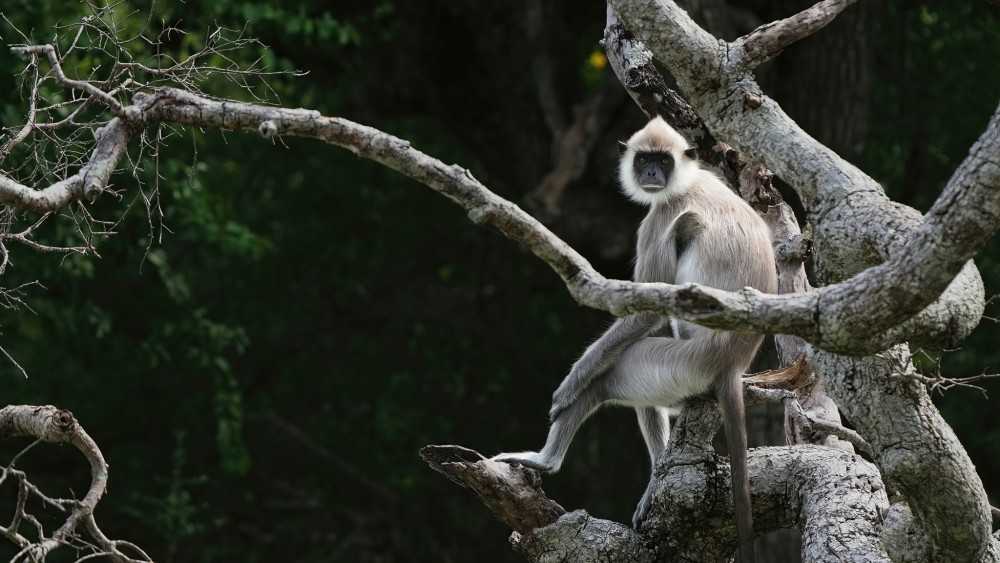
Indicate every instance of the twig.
{"type": "Point", "coordinates": [49, 52]}
{"type": "Point", "coordinates": [811, 424]}
{"type": "Point", "coordinates": [808, 423]}
{"type": "Point", "coordinates": [906, 369]}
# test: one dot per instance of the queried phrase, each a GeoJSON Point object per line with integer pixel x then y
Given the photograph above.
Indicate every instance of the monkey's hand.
{"type": "Point", "coordinates": [568, 391]}
{"type": "Point", "coordinates": [644, 505]}
{"type": "Point", "coordinates": [563, 397]}
{"type": "Point", "coordinates": [534, 460]}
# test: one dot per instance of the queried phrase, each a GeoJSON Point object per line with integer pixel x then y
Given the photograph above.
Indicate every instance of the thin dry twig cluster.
{"type": "Point", "coordinates": [935, 380]}
{"type": "Point", "coordinates": [91, 69]}
{"type": "Point", "coordinates": [94, 67]}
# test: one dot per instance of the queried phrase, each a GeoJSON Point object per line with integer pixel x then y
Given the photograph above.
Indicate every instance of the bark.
{"type": "Point", "coordinates": [915, 450]}
{"type": "Point", "coordinates": [837, 501]}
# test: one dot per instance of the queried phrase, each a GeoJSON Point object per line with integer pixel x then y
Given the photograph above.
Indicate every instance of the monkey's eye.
{"type": "Point", "coordinates": [665, 160]}
{"type": "Point", "coordinates": [640, 159]}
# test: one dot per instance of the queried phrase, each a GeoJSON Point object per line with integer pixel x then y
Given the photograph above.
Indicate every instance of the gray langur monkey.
{"type": "Point", "coordinates": [697, 230]}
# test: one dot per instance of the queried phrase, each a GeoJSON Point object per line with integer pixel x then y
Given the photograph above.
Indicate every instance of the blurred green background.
{"type": "Point", "coordinates": [261, 373]}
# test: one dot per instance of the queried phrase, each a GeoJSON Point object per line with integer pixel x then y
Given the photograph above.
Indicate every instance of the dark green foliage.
{"type": "Point", "coordinates": [261, 369]}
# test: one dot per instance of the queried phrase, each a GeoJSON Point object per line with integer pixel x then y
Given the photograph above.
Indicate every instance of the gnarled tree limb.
{"type": "Point", "coordinates": [52, 425]}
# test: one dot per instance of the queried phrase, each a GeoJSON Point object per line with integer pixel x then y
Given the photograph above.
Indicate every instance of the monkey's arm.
{"type": "Point", "coordinates": [601, 355]}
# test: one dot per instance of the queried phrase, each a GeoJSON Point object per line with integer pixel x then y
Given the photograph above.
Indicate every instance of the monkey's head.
{"type": "Point", "coordinates": [657, 164]}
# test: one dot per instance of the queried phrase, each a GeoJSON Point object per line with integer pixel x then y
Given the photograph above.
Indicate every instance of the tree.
{"type": "Point", "coordinates": [889, 277]}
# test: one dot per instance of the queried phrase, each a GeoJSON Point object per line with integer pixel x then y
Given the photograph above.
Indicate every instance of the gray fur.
{"type": "Point", "coordinates": [697, 230]}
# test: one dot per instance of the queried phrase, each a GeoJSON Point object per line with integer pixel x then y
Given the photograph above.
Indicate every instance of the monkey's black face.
{"type": "Point", "coordinates": [653, 170]}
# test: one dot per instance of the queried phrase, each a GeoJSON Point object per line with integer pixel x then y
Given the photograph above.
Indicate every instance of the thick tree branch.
{"type": "Point", "coordinates": [581, 538]}
{"type": "Point", "coordinates": [835, 498]}
{"type": "Point", "coordinates": [915, 450]}
{"type": "Point", "coordinates": [837, 501]}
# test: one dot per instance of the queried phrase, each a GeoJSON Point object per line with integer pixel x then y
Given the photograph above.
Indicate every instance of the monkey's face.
{"type": "Point", "coordinates": [648, 177]}
{"type": "Point", "coordinates": [652, 170]}
{"type": "Point", "coordinates": [657, 165]}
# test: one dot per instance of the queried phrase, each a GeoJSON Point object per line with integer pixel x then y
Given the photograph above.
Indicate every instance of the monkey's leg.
{"type": "Point", "coordinates": [561, 432]}
{"type": "Point", "coordinates": [600, 355]}
{"type": "Point", "coordinates": [662, 371]}
{"type": "Point", "coordinates": [654, 422]}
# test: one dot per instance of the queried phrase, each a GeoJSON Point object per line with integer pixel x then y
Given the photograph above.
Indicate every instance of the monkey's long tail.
{"type": "Point", "coordinates": [730, 395]}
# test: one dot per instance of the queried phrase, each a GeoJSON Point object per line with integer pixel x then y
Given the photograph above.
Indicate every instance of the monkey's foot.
{"type": "Point", "coordinates": [534, 460]}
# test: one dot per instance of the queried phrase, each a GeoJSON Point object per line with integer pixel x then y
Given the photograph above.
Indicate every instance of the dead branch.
{"type": "Point", "coordinates": [512, 492]}
{"type": "Point", "coordinates": [52, 425]}
{"type": "Point", "coordinates": [744, 310]}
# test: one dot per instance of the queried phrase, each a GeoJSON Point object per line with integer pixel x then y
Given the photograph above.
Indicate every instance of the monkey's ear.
{"type": "Point", "coordinates": [622, 147]}
{"type": "Point", "coordinates": [691, 153]}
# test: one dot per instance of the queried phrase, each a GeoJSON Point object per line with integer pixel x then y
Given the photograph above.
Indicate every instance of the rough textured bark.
{"type": "Point", "coordinates": [837, 501]}
{"type": "Point", "coordinates": [834, 192]}
{"type": "Point", "coordinates": [916, 451]}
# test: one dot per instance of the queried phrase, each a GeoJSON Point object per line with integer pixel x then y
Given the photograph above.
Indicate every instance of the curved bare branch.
{"type": "Point", "coordinates": [848, 318]}
{"type": "Point", "coordinates": [49, 424]}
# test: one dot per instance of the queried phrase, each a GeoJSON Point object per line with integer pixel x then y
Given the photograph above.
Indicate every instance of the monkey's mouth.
{"type": "Point", "coordinates": [651, 188]}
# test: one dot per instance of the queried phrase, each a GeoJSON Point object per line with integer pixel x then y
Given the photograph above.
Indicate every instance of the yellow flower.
{"type": "Point", "coordinates": [597, 60]}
